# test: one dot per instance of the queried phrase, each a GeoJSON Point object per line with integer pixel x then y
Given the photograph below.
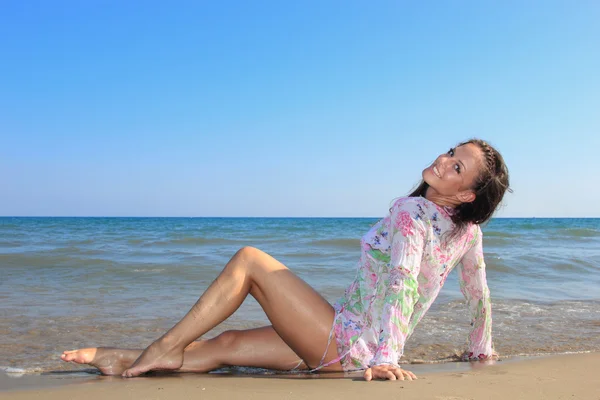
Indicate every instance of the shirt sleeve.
{"type": "Point", "coordinates": [473, 285]}
{"type": "Point", "coordinates": [401, 293]}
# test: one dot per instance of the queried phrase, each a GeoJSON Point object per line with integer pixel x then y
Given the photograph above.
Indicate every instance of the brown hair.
{"type": "Point", "coordinates": [489, 188]}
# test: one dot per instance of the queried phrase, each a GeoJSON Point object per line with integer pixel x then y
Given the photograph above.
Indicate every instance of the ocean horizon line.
{"type": "Point", "coordinates": [253, 217]}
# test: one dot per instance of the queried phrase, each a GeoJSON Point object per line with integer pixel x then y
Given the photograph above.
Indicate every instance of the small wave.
{"type": "Point", "coordinates": [569, 266]}
{"type": "Point", "coordinates": [550, 353]}
{"type": "Point", "coordinates": [11, 243]}
{"type": "Point", "coordinates": [493, 265]}
{"type": "Point", "coordinates": [193, 241]}
{"type": "Point", "coordinates": [48, 369]}
{"type": "Point", "coordinates": [303, 255]}
{"type": "Point", "coordinates": [579, 232]}
{"type": "Point", "coordinates": [498, 234]}
{"type": "Point", "coordinates": [266, 239]}
{"type": "Point", "coordinates": [12, 370]}
{"type": "Point", "coordinates": [15, 372]}
{"type": "Point", "coordinates": [67, 251]}
{"type": "Point", "coordinates": [458, 358]}
{"type": "Point", "coordinates": [149, 270]}
{"type": "Point", "coordinates": [9, 225]}
{"type": "Point", "coordinates": [344, 243]}
{"type": "Point", "coordinates": [501, 242]}
{"type": "Point", "coordinates": [84, 241]}
{"type": "Point", "coordinates": [39, 260]}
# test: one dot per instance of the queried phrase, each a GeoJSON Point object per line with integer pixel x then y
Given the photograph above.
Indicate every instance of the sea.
{"type": "Point", "coordinates": [67, 283]}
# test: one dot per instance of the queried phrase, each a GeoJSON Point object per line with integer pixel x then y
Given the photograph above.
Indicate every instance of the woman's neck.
{"type": "Point", "coordinates": [443, 201]}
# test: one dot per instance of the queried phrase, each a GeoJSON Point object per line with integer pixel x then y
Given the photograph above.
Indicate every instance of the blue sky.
{"type": "Point", "coordinates": [270, 108]}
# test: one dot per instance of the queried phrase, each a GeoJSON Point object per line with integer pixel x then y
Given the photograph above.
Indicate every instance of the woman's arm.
{"type": "Point", "coordinates": [407, 231]}
{"type": "Point", "coordinates": [473, 284]}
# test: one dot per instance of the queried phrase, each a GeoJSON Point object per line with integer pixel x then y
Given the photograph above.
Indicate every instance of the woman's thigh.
{"type": "Point", "coordinates": [260, 347]}
{"type": "Point", "coordinates": [301, 317]}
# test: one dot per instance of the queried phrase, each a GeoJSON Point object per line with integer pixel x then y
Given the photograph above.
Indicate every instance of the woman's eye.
{"type": "Point", "coordinates": [457, 168]}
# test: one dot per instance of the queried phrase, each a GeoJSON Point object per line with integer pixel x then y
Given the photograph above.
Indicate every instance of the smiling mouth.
{"type": "Point", "coordinates": [436, 171]}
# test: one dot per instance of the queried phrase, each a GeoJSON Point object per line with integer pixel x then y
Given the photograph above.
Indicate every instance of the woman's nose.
{"type": "Point", "coordinates": [444, 158]}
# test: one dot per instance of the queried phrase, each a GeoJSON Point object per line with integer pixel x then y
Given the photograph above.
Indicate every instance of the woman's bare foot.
{"type": "Point", "coordinates": [160, 355]}
{"type": "Point", "coordinates": [110, 361]}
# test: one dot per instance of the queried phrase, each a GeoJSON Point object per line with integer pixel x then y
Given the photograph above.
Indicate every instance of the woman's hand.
{"type": "Point", "coordinates": [388, 372]}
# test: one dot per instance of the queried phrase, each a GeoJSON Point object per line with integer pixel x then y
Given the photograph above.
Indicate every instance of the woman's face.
{"type": "Point", "coordinates": [454, 173]}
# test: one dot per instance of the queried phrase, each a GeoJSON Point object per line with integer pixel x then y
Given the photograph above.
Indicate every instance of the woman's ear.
{"type": "Point", "coordinates": [466, 196]}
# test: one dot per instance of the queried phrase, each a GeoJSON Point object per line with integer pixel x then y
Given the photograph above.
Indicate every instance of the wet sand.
{"type": "Point", "coordinates": [554, 377]}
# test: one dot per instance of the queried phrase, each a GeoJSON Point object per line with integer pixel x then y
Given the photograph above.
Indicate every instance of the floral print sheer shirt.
{"type": "Point", "coordinates": [405, 259]}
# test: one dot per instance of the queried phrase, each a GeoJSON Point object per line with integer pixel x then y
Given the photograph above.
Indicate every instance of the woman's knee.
{"type": "Point", "coordinates": [255, 263]}
{"type": "Point", "coordinates": [228, 340]}
{"type": "Point", "coordinates": [250, 259]}
{"type": "Point", "coordinates": [247, 253]}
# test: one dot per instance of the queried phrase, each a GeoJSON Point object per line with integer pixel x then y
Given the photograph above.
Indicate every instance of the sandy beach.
{"type": "Point", "coordinates": [553, 377]}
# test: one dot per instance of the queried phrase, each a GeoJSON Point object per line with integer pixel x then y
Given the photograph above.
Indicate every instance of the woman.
{"type": "Point", "coordinates": [405, 259]}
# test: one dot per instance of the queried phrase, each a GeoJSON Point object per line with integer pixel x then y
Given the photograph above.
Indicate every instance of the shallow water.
{"type": "Point", "coordinates": [73, 282]}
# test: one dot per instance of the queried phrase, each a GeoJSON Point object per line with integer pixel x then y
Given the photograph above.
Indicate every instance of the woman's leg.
{"type": "Point", "coordinates": [299, 315]}
{"type": "Point", "coordinates": [260, 347]}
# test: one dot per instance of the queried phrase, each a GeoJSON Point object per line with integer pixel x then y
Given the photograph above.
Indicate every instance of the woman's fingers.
{"type": "Point", "coordinates": [389, 372]}
{"type": "Point", "coordinates": [413, 376]}
{"type": "Point", "coordinates": [398, 373]}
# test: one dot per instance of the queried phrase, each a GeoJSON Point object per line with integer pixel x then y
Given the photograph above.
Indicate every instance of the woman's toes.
{"type": "Point", "coordinates": [80, 356]}
{"type": "Point", "coordinates": [67, 356]}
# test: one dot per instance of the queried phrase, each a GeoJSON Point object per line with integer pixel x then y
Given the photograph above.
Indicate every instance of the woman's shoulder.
{"type": "Point", "coordinates": [477, 232]}
{"type": "Point", "coordinates": [418, 207]}
{"type": "Point", "coordinates": [411, 208]}
{"type": "Point", "coordinates": [472, 234]}
{"type": "Point", "coordinates": [409, 202]}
